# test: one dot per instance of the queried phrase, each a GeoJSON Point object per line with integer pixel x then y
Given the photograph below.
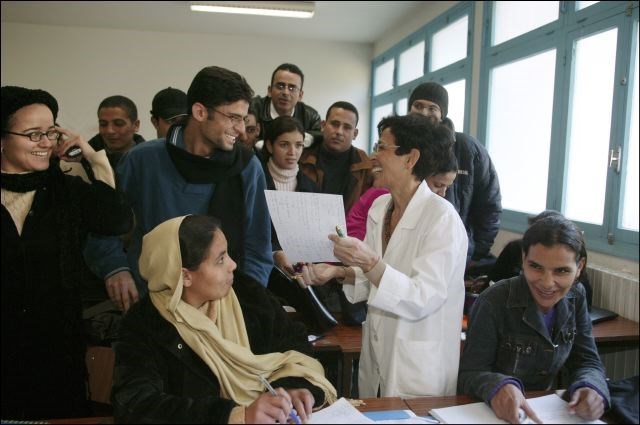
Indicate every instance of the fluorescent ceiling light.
{"type": "Point", "coordinates": [288, 9]}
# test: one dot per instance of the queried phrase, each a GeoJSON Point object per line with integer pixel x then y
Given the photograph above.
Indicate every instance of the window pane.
{"type": "Point", "coordinates": [519, 129]}
{"type": "Point", "coordinates": [456, 104]}
{"type": "Point", "coordinates": [514, 18]}
{"type": "Point", "coordinates": [379, 113]}
{"type": "Point", "coordinates": [401, 106]}
{"type": "Point", "coordinates": [411, 63]}
{"type": "Point", "coordinates": [630, 190]}
{"type": "Point", "coordinates": [589, 126]}
{"type": "Point", "coordinates": [449, 45]}
{"type": "Point", "coordinates": [583, 4]}
{"type": "Point", "coordinates": [384, 77]}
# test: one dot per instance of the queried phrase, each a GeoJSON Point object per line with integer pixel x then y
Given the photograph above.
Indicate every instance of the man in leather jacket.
{"type": "Point", "coordinates": [284, 98]}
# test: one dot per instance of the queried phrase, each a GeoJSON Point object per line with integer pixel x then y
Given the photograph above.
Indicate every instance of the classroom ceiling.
{"type": "Point", "coordinates": [347, 21]}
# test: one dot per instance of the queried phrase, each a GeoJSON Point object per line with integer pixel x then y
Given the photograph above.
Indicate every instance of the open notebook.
{"type": "Point", "coordinates": [551, 409]}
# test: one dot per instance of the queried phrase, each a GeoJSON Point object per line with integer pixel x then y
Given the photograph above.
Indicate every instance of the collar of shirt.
{"type": "Point", "coordinates": [274, 113]}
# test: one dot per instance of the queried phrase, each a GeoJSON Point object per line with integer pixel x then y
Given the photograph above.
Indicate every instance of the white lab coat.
{"type": "Point", "coordinates": [411, 337]}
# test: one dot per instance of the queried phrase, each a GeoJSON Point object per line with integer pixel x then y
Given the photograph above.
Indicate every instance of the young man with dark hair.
{"type": "Point", "coordinates": [476, 191]}
{"type": "Point", "coordinates": [198, 169]}
{"type": "Point", "coordinates": [118, 125]}
{"type": "Point", "coordinates": [285, 98]}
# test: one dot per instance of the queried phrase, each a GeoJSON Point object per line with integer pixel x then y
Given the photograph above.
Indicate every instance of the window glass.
{"type": "Point", "coordinates": [584, 4]}
{"type": "Point", "coordinates": [514, 18]}
{"type": "Point", "coordinates": [590, 126]}
{"type": "Point", "coordinates": [519, 129]}
{"type": "Point", "coordinates": [379, 113]}
{"type": "Point", "coordinates": [384, 77]}
{"type": "Point", "coordinates": [630, 211]}
{"type": "Point", "coordinates": [456, 103]}
{"type": "Point", "coordinates": [401, 106]}
{"type": "Point", "coordinates": [449, 45]}
{"type": "Point", "coordinates": [411, 63]}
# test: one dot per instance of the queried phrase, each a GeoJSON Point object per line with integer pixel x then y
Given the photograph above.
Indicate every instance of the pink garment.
{"type": "Point", "coordinates": [357, 216]}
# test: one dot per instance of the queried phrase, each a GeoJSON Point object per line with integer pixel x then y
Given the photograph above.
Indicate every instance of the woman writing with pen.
{"type": "Point", "coordinates": [409, 268]}
{"type": "Point", "coordinates": [195, 350]}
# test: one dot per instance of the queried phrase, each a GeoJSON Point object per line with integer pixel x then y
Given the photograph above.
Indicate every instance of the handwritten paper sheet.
{"type": "Point", "coordinates": [340, 412]}
{"type": "Point", "coordinates": [303, 221]}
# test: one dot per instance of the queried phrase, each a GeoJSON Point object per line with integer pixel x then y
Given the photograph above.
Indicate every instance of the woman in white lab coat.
{"type": "Point", "coordinates": [410, 268]}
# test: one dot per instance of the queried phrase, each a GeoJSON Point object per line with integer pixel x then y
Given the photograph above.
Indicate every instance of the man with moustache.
{"type": "Point", "coordinates": [285, 99]}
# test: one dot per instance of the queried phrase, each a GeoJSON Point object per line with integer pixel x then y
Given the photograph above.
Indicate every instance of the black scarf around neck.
{"type": "Point", "coordinates": [223, 169]}
{"type": "Point", "coordinates": [25, 182]}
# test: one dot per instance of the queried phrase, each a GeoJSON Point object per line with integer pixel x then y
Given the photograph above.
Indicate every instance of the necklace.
{"type": "Point", "coordinates": [387, 225]}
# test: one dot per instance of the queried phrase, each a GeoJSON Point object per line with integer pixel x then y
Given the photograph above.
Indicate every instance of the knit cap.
{"type": "Point", "coordinates": [432, 92]}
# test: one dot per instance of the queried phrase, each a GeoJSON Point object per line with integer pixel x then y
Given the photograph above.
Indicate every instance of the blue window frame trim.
{"type": "Point", "coordinates": [561, 35]}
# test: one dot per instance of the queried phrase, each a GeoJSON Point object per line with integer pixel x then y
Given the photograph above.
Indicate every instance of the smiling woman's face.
{"type": "Point", "coordinates": [20, 154]}
{"type": "Point", "coordinates": [550, 272]}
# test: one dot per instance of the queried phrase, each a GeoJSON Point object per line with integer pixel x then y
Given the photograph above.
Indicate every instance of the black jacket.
{"type": "Point", "coordinates": [43, 342]}
{"type": "Point", "coordinates": [158, 378]}
{"type": "Point", "coordinates": [475, 194]}
{"type": "Point", "coordinates": [305, 114]}
{"type": "Point", "coordinates": [97, 144]}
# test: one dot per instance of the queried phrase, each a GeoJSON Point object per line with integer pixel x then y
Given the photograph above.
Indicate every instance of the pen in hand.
{"type": "Point", "coordinates": [339, 231]}
{"type": "Point", "coordinates": [293, 415]}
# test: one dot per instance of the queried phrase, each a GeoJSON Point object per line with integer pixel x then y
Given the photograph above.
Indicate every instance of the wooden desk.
{"type": "Point", "coordinates": [347, 340]}
{"type": "Point", "coordinates": [386, 403]}
{"type": "Point", "coordinates": [618, 334]}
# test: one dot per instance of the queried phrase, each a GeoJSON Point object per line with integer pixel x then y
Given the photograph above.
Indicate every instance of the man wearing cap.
{"type": "Point", "coordinates": [285, 98]}
{"type": "Point", "coordinates": [475, 192]}
{"type": "Point", "coordinates": [168, 107]}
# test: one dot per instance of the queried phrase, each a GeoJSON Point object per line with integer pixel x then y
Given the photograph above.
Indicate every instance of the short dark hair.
{"type": "Point", "coordinates": [449, 163]}
{"type": "Point", "coordinates": [543, 214]}
{"type": "Point", "coordinates": [344, 105]}
{"type": "Point", "coordinates": [123, 102]}
{"type": "Point", "coordinates": [291, 68]}
{"type": "Point", "coordinates": [432, 140]}
{"type": "Point", "coordinates": [214, 86]}
{"type": "Point", "coordinates": [555, 229]}
{"type": "Point", "coordinates": [281, 125]}
{"type": "Point", "coordinates": [196, 236]}
{"type": "Point", "coordinates": [15, 98]}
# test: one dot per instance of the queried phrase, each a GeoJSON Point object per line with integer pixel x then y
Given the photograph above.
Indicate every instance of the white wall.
{"type": "Point", "coordinates": [81, 66]}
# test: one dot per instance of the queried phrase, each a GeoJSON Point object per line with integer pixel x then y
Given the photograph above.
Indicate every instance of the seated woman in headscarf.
{"type": "Point", "coordinates": [193, 351]}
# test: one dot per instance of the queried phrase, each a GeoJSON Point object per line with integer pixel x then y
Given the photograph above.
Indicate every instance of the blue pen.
{"type": "Point", "coordinates": [293, 415]}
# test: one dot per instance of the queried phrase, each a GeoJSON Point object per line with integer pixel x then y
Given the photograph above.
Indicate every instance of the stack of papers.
{"type": "Point", "coordinates": [550, 409]}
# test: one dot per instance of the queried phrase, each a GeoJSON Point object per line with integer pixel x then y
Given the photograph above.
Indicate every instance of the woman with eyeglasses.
{"type": "Point", "coordinates": [46, 215]}
{"type": "Point", "coordinates": [409, 268]}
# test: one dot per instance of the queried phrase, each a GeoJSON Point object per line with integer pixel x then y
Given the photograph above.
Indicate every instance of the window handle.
{"type": "Point", "coordinates": [615, 158]}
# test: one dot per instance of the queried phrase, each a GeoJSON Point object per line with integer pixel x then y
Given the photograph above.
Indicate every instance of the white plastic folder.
{"type": "Point", "coordinates": [340, 412]}
{"type": "Point", "coordinates": [551, 409]}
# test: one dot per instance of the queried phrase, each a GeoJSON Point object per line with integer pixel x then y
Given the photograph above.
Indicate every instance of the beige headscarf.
{"type": "Point", "coordinates": [216, 331]}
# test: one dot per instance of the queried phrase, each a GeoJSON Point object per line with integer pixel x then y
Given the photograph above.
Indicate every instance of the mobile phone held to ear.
{"type": "Point", "coordinates": [73, 152]}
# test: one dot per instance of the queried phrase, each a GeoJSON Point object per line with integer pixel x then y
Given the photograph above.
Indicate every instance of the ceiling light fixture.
{"type": "Point", "coordinates": [288, 9]}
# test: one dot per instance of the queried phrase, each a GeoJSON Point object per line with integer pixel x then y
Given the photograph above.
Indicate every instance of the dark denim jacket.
{"type": "Point", "coordinates": [507, 338]}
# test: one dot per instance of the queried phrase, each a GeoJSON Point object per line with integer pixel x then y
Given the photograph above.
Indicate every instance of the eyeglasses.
{"type": "Point", "coordinates": [235, 119]}
{"type": "Point", "coordinates": [291, 87]}
{"type": "Point", "coordinates": [36, 136]}
{"type": "Point", "coordinates": [383, 147]}
{"type": "Point", "coordinates": [420, 107]}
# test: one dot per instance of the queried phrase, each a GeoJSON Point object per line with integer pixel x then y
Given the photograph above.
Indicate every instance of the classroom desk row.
{"type": "Point", "coordinates": [419, 405]}
{"type": "Point", "coordinates": [345, 342]}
